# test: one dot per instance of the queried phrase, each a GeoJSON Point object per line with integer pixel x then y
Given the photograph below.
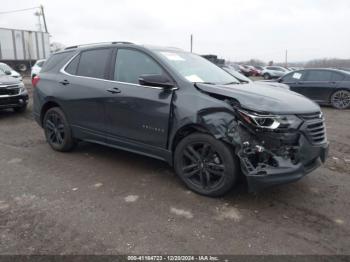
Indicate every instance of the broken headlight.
{"type": "Point", "coordinates": [271, 122]}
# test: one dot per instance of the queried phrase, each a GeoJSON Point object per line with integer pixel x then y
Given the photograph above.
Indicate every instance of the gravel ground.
{"type": "Point", "coordinates": [97, 200]}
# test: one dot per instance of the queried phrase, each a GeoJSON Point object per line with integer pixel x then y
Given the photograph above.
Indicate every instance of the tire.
{"type": "Point", "coordinates": [21, 109]}
{"type": "Point", "coordinates": [57, 130]}
{"type": "Point", "coordinates": [340, 99]}
{"type": "Point", "coordinates": [266, 76]}
{"type": "Point", "coordinates": [206, 165]}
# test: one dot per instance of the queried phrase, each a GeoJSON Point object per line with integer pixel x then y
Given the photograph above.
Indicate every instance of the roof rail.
{"type": "Point", "coordinates": [100, 43]}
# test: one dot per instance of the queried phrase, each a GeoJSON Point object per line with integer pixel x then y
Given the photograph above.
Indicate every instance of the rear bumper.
{"type": "Point", "coordinates": [14, 101]}
{"type": "Point", "coordinates": [262, 177]}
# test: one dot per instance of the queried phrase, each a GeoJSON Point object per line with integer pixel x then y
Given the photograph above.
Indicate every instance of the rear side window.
{"type": "Point", "coordinates": [56, 61]}
{"type": "Point", "coordinates": [40, 64]}
{"type": "Point", "coordinates": [318, 75]}
{"type": "Point", "coordinates": [93, 63]}
{"type": "Point", "coordinates": [131, 64]}
{"type": "Point", "coordinates": [337, 77]}
{"type": "Point", "coordinates": [73, 66]}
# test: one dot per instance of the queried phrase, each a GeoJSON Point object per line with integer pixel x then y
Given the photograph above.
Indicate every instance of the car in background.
{"type": "Point", "coordinates": [324, 86]}
{"type": "Point", "coordinates": [259, 69]}
{"type": "Point", "coordinates": [37, 67]}
{"type": "Point", "coordinates": [245, 80]}
{"type": "Point", "coordinates": [6, 68]}
{"type": "Point", "coordinates": [13, 94]}
{"type": "Point", "coordinates": [270, 72]}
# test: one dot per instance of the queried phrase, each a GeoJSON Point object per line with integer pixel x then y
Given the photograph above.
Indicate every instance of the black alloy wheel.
{"type": "Point", "coordinates": [341, 99]}
{"type": "Point", "coordinates": [57, 130]}
{"type": "Point", "coordinates": [205, 164]}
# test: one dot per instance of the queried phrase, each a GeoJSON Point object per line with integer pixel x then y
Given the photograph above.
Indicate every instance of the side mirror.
{"type": "Point", "coordinates": [155, 80]}
{"type": "Point", "coordinates": [7, 72]}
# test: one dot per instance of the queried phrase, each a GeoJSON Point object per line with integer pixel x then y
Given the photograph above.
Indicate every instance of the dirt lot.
{"type": "Point", "coordinates": [97, 200]}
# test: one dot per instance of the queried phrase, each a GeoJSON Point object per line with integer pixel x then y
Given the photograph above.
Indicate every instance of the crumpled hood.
{"type": "Point", "coordinates": [8, 80]}
{"type": "Point", "coordinates": [264, 98]}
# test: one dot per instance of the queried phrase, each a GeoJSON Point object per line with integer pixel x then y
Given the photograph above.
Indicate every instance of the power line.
{"type": "Point", "coordinates": [18, 10]}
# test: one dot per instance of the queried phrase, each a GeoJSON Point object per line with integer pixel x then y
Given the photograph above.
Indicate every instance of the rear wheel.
{"type": "Point", "coordinates": [341, 99]}
{"type": "Point", "coordinates": [57, 130]}
{"type": "Point", "coordinates": [206, 165]}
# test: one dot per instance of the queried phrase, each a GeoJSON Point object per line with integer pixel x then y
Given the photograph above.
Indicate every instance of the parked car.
{"type": "Point", "coordinates": [270, 72]}
{"type": "Point", "coordinates": [246, 80]}
{"type": "Point", "coordinates": [13, 94]}
{"type": "Point", "coordinates": [324, 86]}
{"type": "Point", "coordinates": [37, 67]}
{"type": "Point", "coordinates": [181, 108]}
{"type": "Point", "coordinates": [259, 70]}
{"type": "Point", "coordinates": [6, 68]}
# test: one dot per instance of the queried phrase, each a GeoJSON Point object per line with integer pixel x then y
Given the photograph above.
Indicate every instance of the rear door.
{"type": "Point", "coordinates": [85, 85]}
{"type": "Point", "coordinates": [138, 114]}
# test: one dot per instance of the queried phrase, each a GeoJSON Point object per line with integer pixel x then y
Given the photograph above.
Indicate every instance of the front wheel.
{"type": "Point", "coordinates": [206, 165]}
{"type": "Point", "coordinates": [266, 76]}
{"type": "Point", "coordinates": [57, 130]}
{"type": "Point", "coordinates": [341, 99]}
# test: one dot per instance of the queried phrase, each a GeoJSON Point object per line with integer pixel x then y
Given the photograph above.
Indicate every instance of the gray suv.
{"type": "Point", "coordinates": [178, 107]}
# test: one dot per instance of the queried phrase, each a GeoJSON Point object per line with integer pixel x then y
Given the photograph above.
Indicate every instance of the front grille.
{"type": "Point", "coordinates": [314, 127]}
{"type": "Point", "coordinates": [8, 101]}
{"type": "Point", "coordinates": [9, 90]}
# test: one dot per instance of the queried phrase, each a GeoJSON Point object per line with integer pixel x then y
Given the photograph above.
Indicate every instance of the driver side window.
{"type": "Point", "coordinates": [131, 64]}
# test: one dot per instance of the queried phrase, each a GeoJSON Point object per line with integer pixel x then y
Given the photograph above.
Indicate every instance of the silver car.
{"type": "Point", "coordinates": [270, 72]}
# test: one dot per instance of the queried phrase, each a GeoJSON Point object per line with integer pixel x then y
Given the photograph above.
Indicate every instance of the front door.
{"type": "Point", "coordinates": [136, 113]}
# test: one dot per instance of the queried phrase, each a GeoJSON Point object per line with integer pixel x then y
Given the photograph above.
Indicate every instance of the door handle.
{"type": "Point", "coordinates": [64, 82]}
{"type": "Point", "coordinates": [114, 90]}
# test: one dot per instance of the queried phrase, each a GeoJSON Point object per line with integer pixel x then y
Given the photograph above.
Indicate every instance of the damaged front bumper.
{"type": "Point", "coordinates": [263, 175]}
{"type": "Point", "coordinates": [279, 159]}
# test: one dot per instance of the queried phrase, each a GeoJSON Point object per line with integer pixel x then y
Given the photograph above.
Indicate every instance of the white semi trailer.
{"type": "Point", "coordinates": [21, 48]}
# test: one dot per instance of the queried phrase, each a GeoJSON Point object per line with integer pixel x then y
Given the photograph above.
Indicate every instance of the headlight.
{"type": "Point", "coordinates": [271, 121]}
{"type": "Point", "coordinates": [22, 88]}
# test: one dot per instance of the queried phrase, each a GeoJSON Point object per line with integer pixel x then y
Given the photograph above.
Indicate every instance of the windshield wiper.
{"type": "Point", "coordinates": [232, 83]}
{"type": "Point", "coordinates": [207, 83]}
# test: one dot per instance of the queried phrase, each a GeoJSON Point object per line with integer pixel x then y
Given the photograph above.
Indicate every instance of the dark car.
{"type": "Point", "coordinates": [324, 86]}
{"type": "Point", "coordinates": [13, 94]}
{"type": "Point", "coordinates": [178, 107]}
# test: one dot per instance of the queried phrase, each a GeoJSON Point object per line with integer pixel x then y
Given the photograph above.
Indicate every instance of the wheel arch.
{"type": "Point", "coordinates": [49, 104]}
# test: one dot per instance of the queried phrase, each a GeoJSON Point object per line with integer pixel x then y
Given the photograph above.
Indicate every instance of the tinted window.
{"type": "Point", "coordinates": [293, 77]}
{"type": "Point", "coordinates": [72, 67]}
{"type": "Point", "coordinates": [55, 61]}
{"type": "Point", "coordinates": [131, 64]}
{"type": "Point", "coordinates": [318, 75]}
{"type": "Point", "coordinates": [93, 63]}
{"type": "Point", "coordinates": [40, 64]}
{"type": "Point", "coordinates": [337, 77]}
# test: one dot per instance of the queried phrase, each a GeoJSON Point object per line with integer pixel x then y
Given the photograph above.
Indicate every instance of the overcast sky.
{"type": "Point", "coordinates": [233, 29]}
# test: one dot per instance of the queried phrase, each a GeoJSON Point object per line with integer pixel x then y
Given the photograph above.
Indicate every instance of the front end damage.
{"type": "Point", "coordinates": [271, 157]}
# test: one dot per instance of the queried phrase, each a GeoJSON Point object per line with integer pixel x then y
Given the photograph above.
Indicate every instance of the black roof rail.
{"type": "Point", "coordinates": [100, 43]}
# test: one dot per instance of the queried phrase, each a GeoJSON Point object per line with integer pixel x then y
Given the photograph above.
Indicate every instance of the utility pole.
{"type": "Point", "coordinates": [44, 19]}
{"type": "Point", "coordinates": [191, 43]}
{"type": "Point", "coordinates": [38, 14]}
{"type": "Point", "coordinates": [286, 59]}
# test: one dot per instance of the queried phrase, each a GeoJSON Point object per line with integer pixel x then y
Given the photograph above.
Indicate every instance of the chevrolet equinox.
{"type": "Point", "coordinates": [178, 107]}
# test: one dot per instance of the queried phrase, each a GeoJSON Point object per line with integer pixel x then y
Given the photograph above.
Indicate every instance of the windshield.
{"type": "Point", "coordinates": [197, 69]}
{"type": "Point", "coordinates": [2, 73]}
{"type": "Point", "coordinates": [239, 76]}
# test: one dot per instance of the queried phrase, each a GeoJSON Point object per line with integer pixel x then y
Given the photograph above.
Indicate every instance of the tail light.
{"type": "Point", "coordinates": [35, 80]}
